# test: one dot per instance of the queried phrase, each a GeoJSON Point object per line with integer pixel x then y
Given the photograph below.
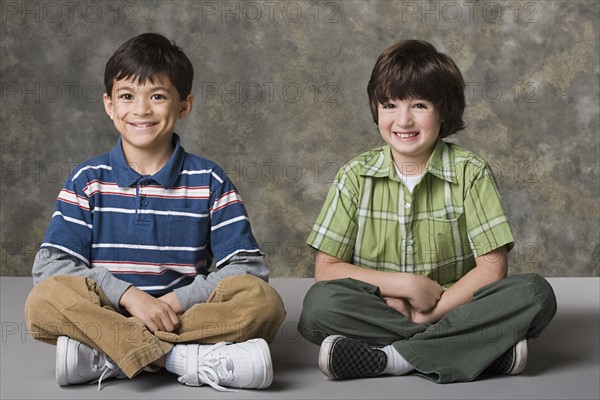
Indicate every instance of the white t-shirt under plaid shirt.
{"type": "Point", "coordinates": [454, 214]}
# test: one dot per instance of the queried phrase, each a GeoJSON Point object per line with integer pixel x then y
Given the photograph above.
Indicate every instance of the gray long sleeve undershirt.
{"type": "Point", "coordinates": [50, 262]}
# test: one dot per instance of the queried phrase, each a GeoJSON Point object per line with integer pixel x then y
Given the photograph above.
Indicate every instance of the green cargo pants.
{"type": "Point", "coordinates": [456, 348]}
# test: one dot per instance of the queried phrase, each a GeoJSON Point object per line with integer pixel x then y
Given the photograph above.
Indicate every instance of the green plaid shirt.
{"type": "Point", "coordinates": [454, 214]}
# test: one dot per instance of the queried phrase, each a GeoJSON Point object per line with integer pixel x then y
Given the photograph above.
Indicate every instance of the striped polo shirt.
{"type": "Point", "coordinates": [453, 215]}
{"type": "Point", "coordinates": [157, 232]}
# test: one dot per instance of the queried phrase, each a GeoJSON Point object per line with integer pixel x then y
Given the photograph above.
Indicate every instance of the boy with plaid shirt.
{"type": "Point", "coordinates": [412, 243]}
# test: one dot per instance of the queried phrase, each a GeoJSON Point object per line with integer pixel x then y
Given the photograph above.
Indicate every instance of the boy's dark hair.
{"type": "Point", "coordinates": [415, 69]}
{"type": "Point", "coordinates": [146, 57]}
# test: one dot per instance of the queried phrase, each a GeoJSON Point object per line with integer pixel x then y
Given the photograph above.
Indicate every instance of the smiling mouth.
{"type": "Point", "coordinates": [406, 135]}
{"type": "Point", "coordinates": [142, 125]}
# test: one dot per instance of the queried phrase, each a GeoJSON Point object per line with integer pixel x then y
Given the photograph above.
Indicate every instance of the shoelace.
{"type": "Point", "coordinates": [108, 369]}
{"type": "Point", "coordinates": [214, 369]}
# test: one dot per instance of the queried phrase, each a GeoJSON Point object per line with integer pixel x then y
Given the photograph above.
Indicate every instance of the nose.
{"type": "Point", "coordinates": [403, 117]}
{"type": "Point", "coordinates": [142, 107]}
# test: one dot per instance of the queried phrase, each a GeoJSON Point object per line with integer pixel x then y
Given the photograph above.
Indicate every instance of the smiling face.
{"type": "Point", "coordinates": [414, 69]}
{"type": "Point", "coordinates": [145, 114]}
{"type": "Point", "coordinates": [411, 127]}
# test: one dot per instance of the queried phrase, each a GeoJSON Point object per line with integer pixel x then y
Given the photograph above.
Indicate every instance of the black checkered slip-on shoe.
{"type": "Point", "coordinates": [513, 361]}
{"type": "Point", "coordinates": [344, 358]}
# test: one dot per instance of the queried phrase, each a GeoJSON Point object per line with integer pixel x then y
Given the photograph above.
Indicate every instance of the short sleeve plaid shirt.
{"type": "Point", "coordinates": [454, 214]}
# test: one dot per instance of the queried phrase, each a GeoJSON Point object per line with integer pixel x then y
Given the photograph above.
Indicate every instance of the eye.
{"type": "Point", "coordinates": [388, 106]}
{"type": "Point", "coordinates": [421, 106]}
{"type": "Point", "coordinates": [158, 96]}
{"type": "Point", "coordinates": [126, 96]}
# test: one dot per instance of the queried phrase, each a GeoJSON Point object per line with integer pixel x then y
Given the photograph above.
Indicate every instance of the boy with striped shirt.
{"type": "Point", "coordinates": [122, 281]}
{"type": "Point", "coordinates": [412, 243]}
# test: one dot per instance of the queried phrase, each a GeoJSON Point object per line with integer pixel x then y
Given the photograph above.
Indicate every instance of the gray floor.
{"type": "Point", "coordinates": [564, 362]}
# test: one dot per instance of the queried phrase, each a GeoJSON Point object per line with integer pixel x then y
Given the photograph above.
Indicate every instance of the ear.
{"type": "Point", "coordinates": [108, 105]}
{"type": "Point", "coordinates": [185, 106]}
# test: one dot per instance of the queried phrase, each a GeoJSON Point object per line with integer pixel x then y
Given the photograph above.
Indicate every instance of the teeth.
{"type": "Point", "coordinates": [406, 135]}
{"type": "Point", "coordinates": [142, 125]}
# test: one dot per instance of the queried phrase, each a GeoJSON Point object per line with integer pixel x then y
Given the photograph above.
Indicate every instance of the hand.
{"type": "Point", "coordinates": [172, 300]}
{"type": "Point", "coordinates": [403, 307]}
{"type": "Point", "coordinates": [424, 293]}
{"type": "Point", "coordinates": [156, 314]}
{"type": "Point", "coordinates": [422, 317]}
{"type": "Point", "coordinates": [400, 305]}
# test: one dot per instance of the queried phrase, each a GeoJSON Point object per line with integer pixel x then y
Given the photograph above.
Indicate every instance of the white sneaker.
{"type": "Point", "coordinates": [78, 363]}
{"type": "Point", "coordinates": [245, 365]}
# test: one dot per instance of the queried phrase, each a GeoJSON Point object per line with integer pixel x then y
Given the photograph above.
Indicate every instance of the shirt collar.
{"type": "Point", "coordinates": [380, 165]}
{"type": "Point", "coordinates": [127, 176]}
{"type": "Point", "coordinates": [441, 163]}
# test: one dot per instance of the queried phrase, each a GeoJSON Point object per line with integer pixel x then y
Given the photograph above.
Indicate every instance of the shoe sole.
{"type": "Point", "coordinates": [520, 358]}
{"type": "Point", "coordinates": [324, 353]}
{"type": "Point", "coordinates": [62, 346]}
{"type": "Point", "coordinates": [265, 355]}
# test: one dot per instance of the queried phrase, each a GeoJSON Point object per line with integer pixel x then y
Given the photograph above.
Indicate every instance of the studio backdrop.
{"type": "Point", "coordinates": [281, 104]}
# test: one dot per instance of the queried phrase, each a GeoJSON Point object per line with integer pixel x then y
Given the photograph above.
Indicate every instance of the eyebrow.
{"type": "Point", "coordinates": [133, 88]}
{"type": "Point", "coordinates": [159, 88]}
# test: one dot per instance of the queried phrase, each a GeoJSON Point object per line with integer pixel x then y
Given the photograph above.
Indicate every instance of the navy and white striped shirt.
{"type": "Point", "coordinates": [157, 232]}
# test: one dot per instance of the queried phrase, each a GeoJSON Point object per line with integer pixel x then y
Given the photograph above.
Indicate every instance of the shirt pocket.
{"type": "Point", "coordinates": [449, 235]}
{"type": "Point", "coordinates": [188, 234]}
{"type": "Point", "coordinates": [444, 246]}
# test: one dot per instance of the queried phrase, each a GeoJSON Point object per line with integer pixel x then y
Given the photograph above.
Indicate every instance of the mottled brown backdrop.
{"type": "Point", "coordinates": [281, 103]}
